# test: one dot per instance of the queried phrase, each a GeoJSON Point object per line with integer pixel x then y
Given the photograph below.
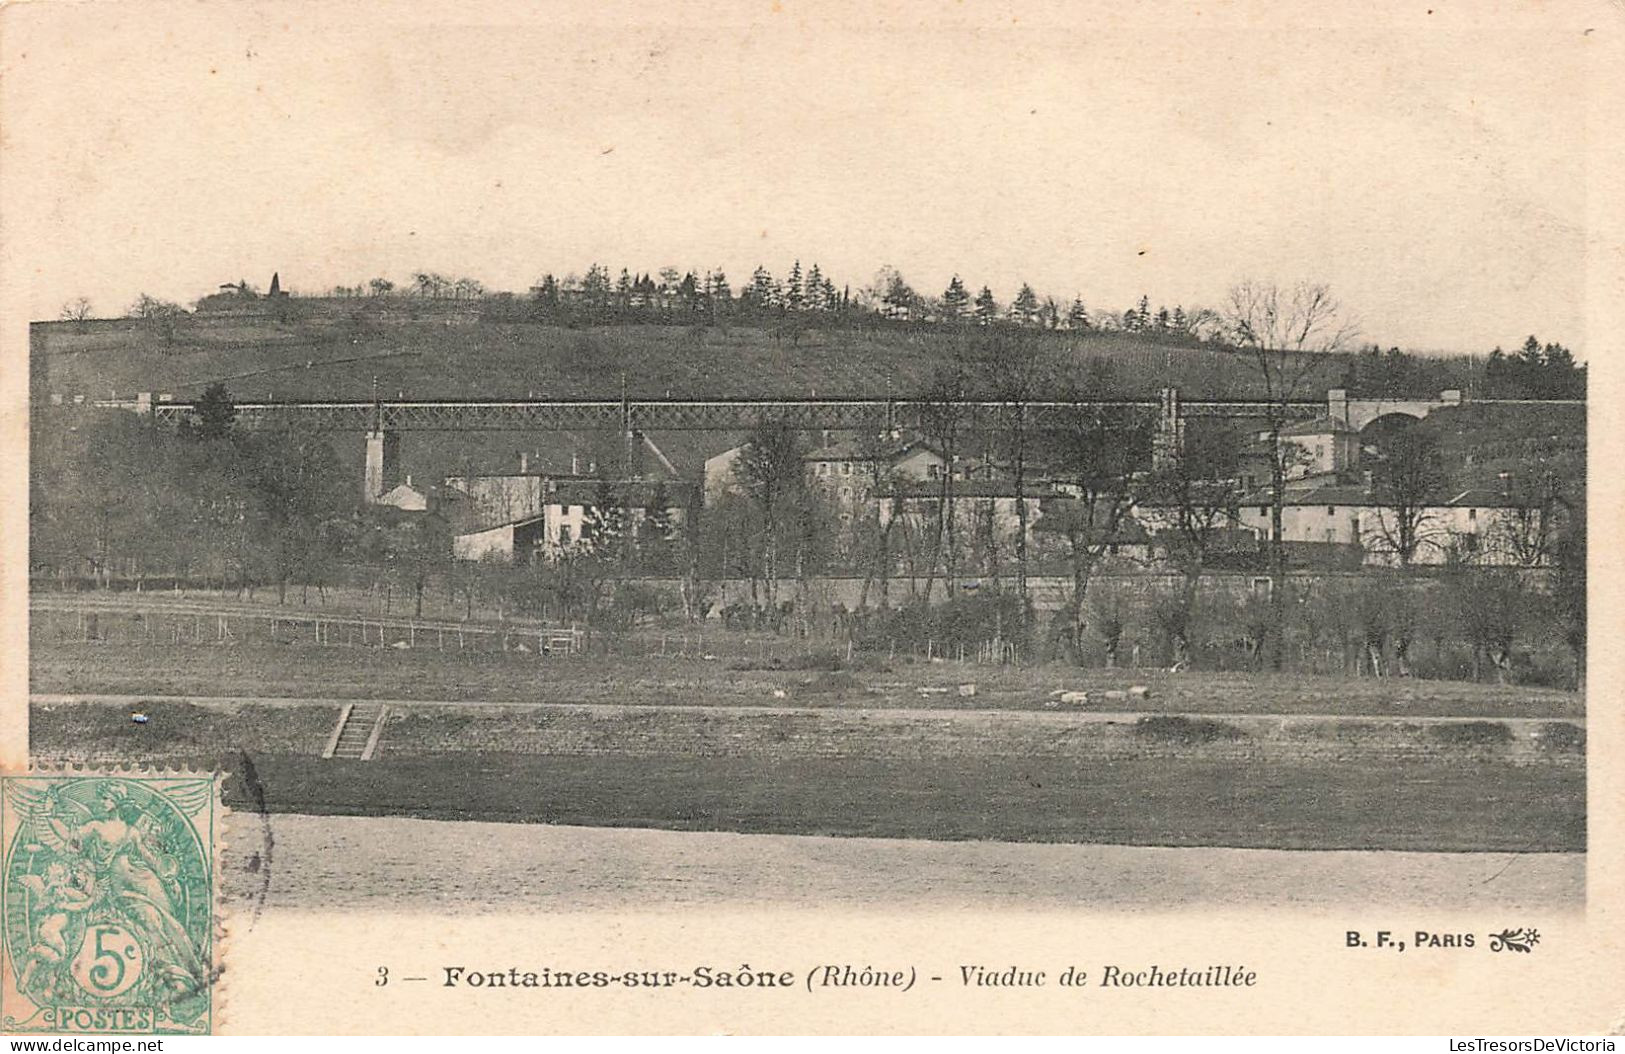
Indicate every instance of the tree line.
{"type": "Point", "coordinates": [119, 497]}
{"type": "Point", "coordinates": [808, 298]}
{"type": "Point", "coordinates": [1535, 371]}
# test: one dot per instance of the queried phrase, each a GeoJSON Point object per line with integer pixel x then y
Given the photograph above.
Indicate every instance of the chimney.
{"type": "Point", "coordinates": [409, 479]}
{"type": "Point", "coordinates": [524, 462]}
{"type": "Point", "coordinates": [575, 464]}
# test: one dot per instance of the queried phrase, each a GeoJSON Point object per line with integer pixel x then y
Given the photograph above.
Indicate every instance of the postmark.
{"type": "Point", "coordinates": [108, 903]}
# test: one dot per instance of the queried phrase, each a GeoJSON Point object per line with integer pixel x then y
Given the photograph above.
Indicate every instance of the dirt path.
{"type": "Point", "coordinates": [370, 863]}
{"type": "Point", "coordinates": [1070, 715]}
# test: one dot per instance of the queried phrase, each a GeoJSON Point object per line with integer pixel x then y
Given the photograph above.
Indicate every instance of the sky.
{"type": "Point", "coordinates": [1430, 165]}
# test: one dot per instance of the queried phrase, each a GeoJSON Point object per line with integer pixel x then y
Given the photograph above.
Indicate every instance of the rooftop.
{"type": "Point", "coordinates": [1320, 426]}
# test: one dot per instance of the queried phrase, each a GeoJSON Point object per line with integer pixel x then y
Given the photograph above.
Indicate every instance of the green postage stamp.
{"type": "Point", "coordinates": [107, 895]}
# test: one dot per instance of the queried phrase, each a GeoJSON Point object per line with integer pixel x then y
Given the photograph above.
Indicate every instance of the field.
{"type": "Point", "coordinates": [940, 776]}
{"type": "Point", "coordinates": [1288, 763]}
{"type": "Point", "coordinates": [635, 673]}
{"type": "Point", "coordinates": [332, 355]}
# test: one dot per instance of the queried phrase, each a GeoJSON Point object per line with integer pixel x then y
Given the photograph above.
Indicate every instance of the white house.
{"type": "Point", "coordinates": [1325, 446]}
{"type": "Point", "coordinates": [982, 509]}
{"type": "Point", "coordinates": [405, 496]}
{"type": "Point", "coordinates": [499, 541]}
{"type": "Point", "coordinates": [1477, 525]}
{"type": "Point", "coordinates": [720, 477]}
{"type": "Point", "coordinates": [850, 472]}
{"type": "Point", "coordinates": [553, 514]}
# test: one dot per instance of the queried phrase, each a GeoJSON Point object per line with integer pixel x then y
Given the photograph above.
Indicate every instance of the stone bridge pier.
{"type": "Point", "coordinates": [383, 463]}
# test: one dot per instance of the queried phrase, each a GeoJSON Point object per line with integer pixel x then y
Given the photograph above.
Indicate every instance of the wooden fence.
{"type": "Point", "coordinates": [182, 625]}
{"type": "Point", "coordinates": [159, 626]}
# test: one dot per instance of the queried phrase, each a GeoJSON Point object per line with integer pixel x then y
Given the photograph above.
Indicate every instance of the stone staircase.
{"type": "Point", "coordinates": [355, 737]}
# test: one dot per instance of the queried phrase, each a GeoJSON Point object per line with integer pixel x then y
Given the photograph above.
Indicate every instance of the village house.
{"type": "Point", "coordinates": [845, 470]}
{"type": "Point", "coordinates": [1324, 447]}
{"type": "Point", "coordinates": [851, 473]}
{"type": "Point", "coordinates": [990, 507]}
{"type": "Point", "coordinates": [404, 496]}
{"type": "Point", "coordinates": [548, 516]}
{"type": "Point", "coordinates": [1071, 524]}
{"type": "Point", "coordinates": [720, 475]}
{"type": "Point", "coordinates": [1487, 526]}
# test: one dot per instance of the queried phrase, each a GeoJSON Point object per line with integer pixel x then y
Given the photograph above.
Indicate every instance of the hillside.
{"type": "Point", "coordinates": [337, 356]}
{"type": "Point", "coordinates": [333, 349]}
{"type": "Point", "coordinates": [1478, 442]}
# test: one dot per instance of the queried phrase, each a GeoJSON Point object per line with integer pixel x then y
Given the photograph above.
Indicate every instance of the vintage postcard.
{"type": "Point", "coordinates": [817, 518]}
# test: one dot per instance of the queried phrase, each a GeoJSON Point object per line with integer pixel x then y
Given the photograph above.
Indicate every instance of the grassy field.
{"type": "Point", "coordinates": [337, 356]}
{"type": "Point", "coordinates": [1459, 806]}
{"type": "Point", "coordinates": [945, 776]}
{"type": "Point", "coordinates": [640, 740]}
{"type": "Point", "coordinates": [638, 674]}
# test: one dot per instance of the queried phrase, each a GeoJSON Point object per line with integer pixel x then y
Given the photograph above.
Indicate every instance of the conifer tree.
{"type": "Point", "coordinates": [761, 287]}
{"type": "Point", "coordinates": [1025, 309]}
{"type": "Point", "coordinates": [595, 286]}
{"type": "Point", "coordinates": [813, 294]}
{"type": "Point", "coordinates": [955, 301]}
{"type": "Point", "coordinates": [792, 288]}
{"type": "Point", "coordinates": [987, 309]}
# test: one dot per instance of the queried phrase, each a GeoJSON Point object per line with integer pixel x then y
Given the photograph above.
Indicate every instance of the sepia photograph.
{"type": "Point", "coordinates": [1126, 462]}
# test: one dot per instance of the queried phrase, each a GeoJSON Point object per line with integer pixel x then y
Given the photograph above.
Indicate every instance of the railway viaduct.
{"type": "Point", "coordinates": [381, 421]}
{"type": "Point", "coordinates": [453, 415]}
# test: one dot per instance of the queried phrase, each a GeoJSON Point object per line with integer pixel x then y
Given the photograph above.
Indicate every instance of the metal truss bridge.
{"type": "Point", "coordinates": [659, 415]}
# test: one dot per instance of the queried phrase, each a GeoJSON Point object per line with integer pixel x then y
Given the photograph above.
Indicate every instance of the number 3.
{"type": "Point", "coordinates": [383, 976]}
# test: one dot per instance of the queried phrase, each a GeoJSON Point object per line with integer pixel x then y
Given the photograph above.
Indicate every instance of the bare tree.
{"type": "Point", "coordinates": [1194, 497]}
{"type": "Point", "coordinates": [878, 509]}
{"type": "Point", "coordinates": [150, 307]}
{"type": "Point", "coordinates": [1203, 323]}
{"type": "Point", "coordinates": [162, 316]}
{"type": "Point", "coordinates": [1287, 331]}
{"type": "Point", "coordinates": [770, 473]}
{"type": "Point", "coordinates": [1492, 608]}
{"type": "Point", "coordinates": [942, 419]}
{"type": "Point", "coordinates": [1405, 485]}
{"type": "Point", "coordinates": [78, 311]}
{"type": "Point", "coordinates": [1019, 370]}
{"type": "Point", "coordinates": [1098, 458]}
{"type": "Point", "coordinates": [1527, 529]}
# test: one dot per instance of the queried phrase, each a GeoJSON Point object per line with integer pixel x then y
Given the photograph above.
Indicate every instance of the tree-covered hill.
{"type": "Point", "coordinates": [336, 355]}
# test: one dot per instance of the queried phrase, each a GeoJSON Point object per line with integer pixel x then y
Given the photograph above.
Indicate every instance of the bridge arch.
{"type": "Point", "coordinates": [1391, 421]}
{"type": "Point", "coordinates": [1360, 413]}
